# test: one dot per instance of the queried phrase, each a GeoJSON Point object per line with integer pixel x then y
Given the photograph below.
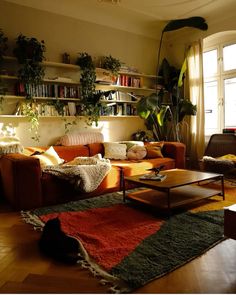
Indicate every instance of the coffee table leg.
{"type": "Point", "coordinates": [222, 187]}
{"type": "Point", "coordinates": [123, 184]}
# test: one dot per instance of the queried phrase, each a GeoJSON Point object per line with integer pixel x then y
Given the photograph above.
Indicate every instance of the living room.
{"type": "Point", "coordinates": [101, 28]}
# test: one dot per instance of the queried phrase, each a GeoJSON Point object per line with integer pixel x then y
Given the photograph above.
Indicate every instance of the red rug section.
{"type": "Point", "coordinates": [108, 234]}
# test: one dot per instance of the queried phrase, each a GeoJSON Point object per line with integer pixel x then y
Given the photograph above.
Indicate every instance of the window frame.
{"type": "Point", "coordinates": [219, 77]}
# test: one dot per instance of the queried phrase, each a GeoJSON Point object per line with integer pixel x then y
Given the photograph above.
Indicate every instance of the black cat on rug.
{"type": "Point", "coordinates": [56, 244]}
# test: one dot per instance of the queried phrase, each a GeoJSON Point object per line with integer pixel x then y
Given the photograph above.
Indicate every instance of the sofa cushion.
{"type": "Point", "coordinates": [115, 150]}
{"type": "Point", "coordinates": [49, 158]}
{"type": "Point", "coordinates": [131, 143]}
{"type": "Point", "coordinates": [136, 152]}
{"type": "Point", "coordinates": [154, 150]}
{"type": "Point", "coordinates": [80, 138]}
{"type": "Point", "coordinates": [96, 148]}
{"type": "Point", "coordinates": [68, 153]}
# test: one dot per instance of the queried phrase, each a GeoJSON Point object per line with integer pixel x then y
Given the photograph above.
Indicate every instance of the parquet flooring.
{"type": "Point", "coordinates": [23, 269]}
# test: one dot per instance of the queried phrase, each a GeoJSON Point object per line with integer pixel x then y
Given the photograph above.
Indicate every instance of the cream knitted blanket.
{"type": "Point", "coordinates": [85, 173]}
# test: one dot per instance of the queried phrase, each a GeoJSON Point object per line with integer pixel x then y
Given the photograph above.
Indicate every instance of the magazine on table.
{"type": "Point", "coordinates": [150, 176]}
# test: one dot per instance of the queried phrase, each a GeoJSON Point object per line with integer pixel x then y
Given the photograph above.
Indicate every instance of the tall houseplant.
{"type": "Point", "coordinates": [197, 22]}
{"type": "Point", "coordinates": [163, 111]}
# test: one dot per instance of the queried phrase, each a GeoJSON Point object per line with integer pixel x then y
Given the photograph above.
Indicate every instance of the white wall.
{"type": "Point", "coordinates": [64, 34]}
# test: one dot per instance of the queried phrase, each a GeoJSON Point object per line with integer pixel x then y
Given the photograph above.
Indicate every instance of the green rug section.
{"type": "Point", "coordinates": [182, 238]}
{"type": "Point", "coordinates": [96, 202]}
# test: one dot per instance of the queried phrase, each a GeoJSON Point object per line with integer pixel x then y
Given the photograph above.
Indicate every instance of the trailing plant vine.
{"type": "Point", "coordinates": [90, 101]}
{"type": "Point", "coordinates": [30, 54]}
{"type": "Point", "coordinates": [33, 118]}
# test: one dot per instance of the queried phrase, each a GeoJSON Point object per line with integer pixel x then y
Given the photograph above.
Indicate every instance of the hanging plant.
{"type": "Point", "coordinates": [3, 45]}
{"type": "Point", "coordinates": [111, 64]}
{"type": "Point", "coordinates": [88, 76]}
{"type": "Point", "coordinates": [30, 54]}
{"type": "Point", "coordinates": [33, 118]}
{"type": "Point", "coordinates": [90, 99]}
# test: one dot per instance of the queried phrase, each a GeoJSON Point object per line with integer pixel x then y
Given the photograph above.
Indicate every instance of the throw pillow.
{"type": "Point", "coordinates": [116, 151]}
{"type": "Point", "coordinates": [154, 150]}
{"type": "Point", "coordinates": [49, 158]}
{"type": "Point", "coordinates": [136, 152]}
{"type": "Point", "coordinates": [83, 137]}
{"type": "Point", "coordinates": [131, 143]}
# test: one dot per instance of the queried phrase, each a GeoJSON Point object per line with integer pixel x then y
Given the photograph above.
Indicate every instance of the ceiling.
{"type": "Point", "coordinates": [146, 17]}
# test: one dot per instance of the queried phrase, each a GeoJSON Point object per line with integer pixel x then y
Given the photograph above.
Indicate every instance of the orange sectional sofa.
{"type": "Point", "coordinates": [25, 186]}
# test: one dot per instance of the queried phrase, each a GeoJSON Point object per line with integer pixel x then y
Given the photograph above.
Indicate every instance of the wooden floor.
{"type": "Point", "coordinates": [23, 269]}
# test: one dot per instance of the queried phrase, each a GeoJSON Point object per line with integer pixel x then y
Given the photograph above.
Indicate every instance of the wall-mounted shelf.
{"type": "Point", "coordinates": [67, 89]}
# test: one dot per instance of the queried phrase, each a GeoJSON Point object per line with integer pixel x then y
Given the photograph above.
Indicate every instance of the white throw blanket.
{"type": "Point", "coordinates": [85, 173]}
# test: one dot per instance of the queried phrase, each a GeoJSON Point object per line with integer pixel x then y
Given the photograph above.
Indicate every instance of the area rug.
{"type": "Point", "coordinates": [128, 247]}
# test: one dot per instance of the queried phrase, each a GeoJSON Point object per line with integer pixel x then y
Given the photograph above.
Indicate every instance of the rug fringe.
{"type": "Point", "coordinates": [33, 219]}
{"type": "Point", "coordinates": [118, 286]}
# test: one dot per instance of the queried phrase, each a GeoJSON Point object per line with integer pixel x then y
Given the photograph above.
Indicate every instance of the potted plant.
{"type": "Point", "coordinates": [165, 110]}
{"type": "Point", "coordinates": [30, 54]}
{"type": "Point", "coordinates": [111, 64]}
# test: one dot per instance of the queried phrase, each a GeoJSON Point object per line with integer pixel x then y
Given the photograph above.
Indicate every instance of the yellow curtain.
{"type": "Point", "coordinates": [195, 80]}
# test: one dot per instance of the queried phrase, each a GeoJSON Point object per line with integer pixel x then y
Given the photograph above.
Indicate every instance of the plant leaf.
{"type": "Point", "coordinates": [194, 22]}
{"type": "Point", "coordinates": [182, 71]}
{"type": "Point", "coordinates": [161, 114]}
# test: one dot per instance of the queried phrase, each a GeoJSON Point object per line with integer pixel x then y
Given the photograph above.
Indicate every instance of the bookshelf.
{"type": "Point", "coordinates": [61, 84]}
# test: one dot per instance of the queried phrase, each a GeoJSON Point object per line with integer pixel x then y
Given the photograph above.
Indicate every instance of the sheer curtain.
{"type": "Point", "coordinates": [195, 80]}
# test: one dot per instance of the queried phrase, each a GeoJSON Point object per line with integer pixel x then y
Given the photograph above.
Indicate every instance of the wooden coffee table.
{"type": "Point", "coordinates": [180, 187]}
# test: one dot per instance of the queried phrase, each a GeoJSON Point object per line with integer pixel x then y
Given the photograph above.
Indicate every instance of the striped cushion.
{"type": "Point", "coordinates": [81, 138]}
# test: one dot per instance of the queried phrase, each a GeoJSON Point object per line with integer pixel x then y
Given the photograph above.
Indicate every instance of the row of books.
{"type": "Point", "coordinates": [124, 109]}
{"type": "Point", "coordinates": [71, 109]}
{"type": "Point", "coordinates": [122, 96]}
{"type": "Point", "coordinates": [125, 80]}
{"type": "Point", "coordinates": [43, 109]}
{"type": "Point", "coordinates": [47, 90]}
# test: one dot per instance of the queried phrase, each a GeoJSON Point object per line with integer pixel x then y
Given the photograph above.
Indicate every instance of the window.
{"type": "Point", "coordinates": [219, 68]}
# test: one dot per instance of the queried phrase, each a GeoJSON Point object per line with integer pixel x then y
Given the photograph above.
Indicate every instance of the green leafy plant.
{"type": "Point", "coordinates": [111, 64]}
{"type": "Point", "coordinates": [163, 111]}
{"type": "Point", "coordinates": [197, 22]}
{"type": "Point", "coordinates": [58, 105]}
{"type": "Point", "coordinates": [33, 118]}
{"type": "Point", "coordinates": [69, 125]}
{"type": "Point", "coordinates": [90, 98]}
{"type": "Point", "coordinates": [30, 54]}
{"type": "Point", "coordinates": [88, 76]}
